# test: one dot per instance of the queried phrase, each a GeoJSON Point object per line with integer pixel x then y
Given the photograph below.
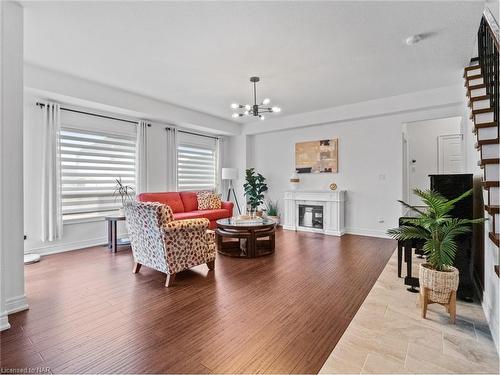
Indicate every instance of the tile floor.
{"type": "Point", "coordinates": [388, 336]}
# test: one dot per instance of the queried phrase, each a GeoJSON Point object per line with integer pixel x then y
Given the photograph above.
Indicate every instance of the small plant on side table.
{"type": "Point", "coordinates": [125, 192]}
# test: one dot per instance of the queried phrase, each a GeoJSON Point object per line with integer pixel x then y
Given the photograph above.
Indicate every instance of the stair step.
{"type": "Point", "coordinates": [488, 161]}
{"type": "Point", "coordinates": [490, 151]}
{"type": "Point", "coordinates": [490, 184]}
{"type": "Point", "coordinates": [472, 71]}
{"type": "Point", "coordinates": [482, 110]}
{"type": "Point", "coordinates": [476, 76]}
{"type": "Point", "coordinates": [479, 102]}
{"type": "Point", "coordinates": [475, 80]}
{"type": "Point", "coordinates": [486, 142]}
{"type": "Point", "coordinates": [473, 92]}
{"type": "Point", "coordinates": [476, 87]}
{"type": "Point", "coordinates": [485, 125]}
{"type": "Point", "coordinates": [492, 209]}
{"type": "Point", "coordinates": [495, 237]}
{"type": "Point", "coordinates": [471, 67]}
{"type": "Point", "coordinates": [474, 60]}
{"type": "Point", "coordinates": [477, 112]}
{"type": "Point", "coordinates": [480, 97]}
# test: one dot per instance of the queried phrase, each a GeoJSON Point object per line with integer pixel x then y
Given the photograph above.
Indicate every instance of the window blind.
{"type": "Point", "coordinates": [196, 163]}
{"type": "Point", "coordinates": [90, 163]}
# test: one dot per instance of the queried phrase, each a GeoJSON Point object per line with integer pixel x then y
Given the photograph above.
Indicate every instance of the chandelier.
{"type": "Point", "coordinates": [256, 110]}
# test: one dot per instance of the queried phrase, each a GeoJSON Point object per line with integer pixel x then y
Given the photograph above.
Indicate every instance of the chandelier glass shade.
{"type": "Point", "coordinates": [256, 110]}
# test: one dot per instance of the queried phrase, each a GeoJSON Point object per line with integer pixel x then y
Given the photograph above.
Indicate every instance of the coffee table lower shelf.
{"type": "Point", "coordinates": [246, 242]}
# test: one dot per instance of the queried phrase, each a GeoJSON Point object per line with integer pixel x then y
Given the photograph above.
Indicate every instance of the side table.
{"type": "Point", "coordinates": [113, 232]}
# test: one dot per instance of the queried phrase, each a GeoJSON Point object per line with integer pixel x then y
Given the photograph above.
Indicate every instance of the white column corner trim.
{"type": "Point", "coordinates": [16, 304]}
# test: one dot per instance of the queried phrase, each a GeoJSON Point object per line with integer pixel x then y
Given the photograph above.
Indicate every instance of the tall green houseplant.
{"type": "Point", "coordinates": [436, 227]}
{"type": "Point", "coordinates": [255, 187]}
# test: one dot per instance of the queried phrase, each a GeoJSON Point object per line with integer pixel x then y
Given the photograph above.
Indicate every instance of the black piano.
{"type": "Point", "coordinates": [450, 186]}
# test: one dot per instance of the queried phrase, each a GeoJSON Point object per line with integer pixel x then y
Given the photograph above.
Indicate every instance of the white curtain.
{"type": "Point", "coordinates": [141, 157]}
{"type": "Point", "coordinates": [218, 169]}
{"type": "Point", "coordinates": [52, 226]}
{"type": "Point", "coordinates": [171, 148]}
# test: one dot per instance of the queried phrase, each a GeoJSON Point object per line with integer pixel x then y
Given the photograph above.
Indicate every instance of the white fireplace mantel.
{"type": "Point", "coordinates": [333, 210]}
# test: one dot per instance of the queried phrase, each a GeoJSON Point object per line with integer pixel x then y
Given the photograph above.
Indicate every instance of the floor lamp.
{"type": "Point", "coordinates": [231, 174]}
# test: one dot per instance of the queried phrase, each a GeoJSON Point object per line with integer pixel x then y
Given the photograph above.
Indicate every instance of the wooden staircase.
{"type": "Point", "coordinates": [486, 128]}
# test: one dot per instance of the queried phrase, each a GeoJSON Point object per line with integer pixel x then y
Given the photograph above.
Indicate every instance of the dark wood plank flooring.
{"type": "Point", "coordinates": [278, 314]}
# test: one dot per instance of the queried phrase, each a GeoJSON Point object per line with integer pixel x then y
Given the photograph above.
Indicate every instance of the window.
{"type": "Point", "coordinates": [196, 162]}
{"type": "Point", "coordinates": [90, 163]}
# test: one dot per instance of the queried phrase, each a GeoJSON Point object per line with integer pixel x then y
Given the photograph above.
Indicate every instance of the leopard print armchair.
{"type": "Point", "coordinates": [167, 245]}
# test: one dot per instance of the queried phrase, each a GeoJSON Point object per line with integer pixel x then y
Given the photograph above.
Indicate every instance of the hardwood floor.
{"type": "Point", "coordinates": [278, 314]}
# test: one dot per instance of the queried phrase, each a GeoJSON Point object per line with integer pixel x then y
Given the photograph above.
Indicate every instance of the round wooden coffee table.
{"type": "Point", "coordinates": [245, 240]}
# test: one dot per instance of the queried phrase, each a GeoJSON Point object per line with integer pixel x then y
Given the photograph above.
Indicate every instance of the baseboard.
{"type": "Point", "coordinates": [4, 321]}
{"type": "Point", "coordinates": [492, 322]}
{"type": "Point", "coordinates": [356, 231]}
{"type": "Point", "coordinates": [16, 304]}
{"type": "Point", "coordinates": [326, 232]}
{"type": "Point", "coordinates": [68, 246]}
{"type": "Point", "coordinates": [367, 232]}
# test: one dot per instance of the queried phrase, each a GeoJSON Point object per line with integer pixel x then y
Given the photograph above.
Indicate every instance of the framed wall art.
{"type": "Point", "coordinates": [317, 156]}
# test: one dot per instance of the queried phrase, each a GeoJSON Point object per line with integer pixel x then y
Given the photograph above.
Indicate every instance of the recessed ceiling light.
{"type": "Point", "coordinates": [414, 39]}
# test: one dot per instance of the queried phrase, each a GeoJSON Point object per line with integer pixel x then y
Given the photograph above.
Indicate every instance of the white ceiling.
{"type": "Point", "coordinates": [310, 55]}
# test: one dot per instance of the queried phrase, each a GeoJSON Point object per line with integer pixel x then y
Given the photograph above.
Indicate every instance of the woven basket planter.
{"type": "Point", "coordinates": [440, 283]}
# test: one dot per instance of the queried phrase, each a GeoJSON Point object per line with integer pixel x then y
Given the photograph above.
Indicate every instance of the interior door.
{"type": "Point", "coordinates": [450, 154]}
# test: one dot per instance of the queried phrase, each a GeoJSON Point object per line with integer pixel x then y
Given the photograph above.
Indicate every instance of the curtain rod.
{"type": "Point", "coordinates": [200, 135]}
{"type": "Point", "coordinates": [92, 114]}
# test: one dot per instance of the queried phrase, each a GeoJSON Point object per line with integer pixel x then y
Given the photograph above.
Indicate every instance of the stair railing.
{"type": "Point", "coordinates": [489, 47]}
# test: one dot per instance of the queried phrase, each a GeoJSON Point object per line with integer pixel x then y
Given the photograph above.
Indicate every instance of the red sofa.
{"type": "Point", "coordinates": [184, 205]}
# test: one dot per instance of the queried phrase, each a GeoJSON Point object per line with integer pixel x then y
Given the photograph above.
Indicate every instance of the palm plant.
{"type": "Point", "coordinates": [436, 227]}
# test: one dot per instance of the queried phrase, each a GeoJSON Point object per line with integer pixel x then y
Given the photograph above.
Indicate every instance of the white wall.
{"type": "Point", "coordinates": [422, 139]}
{"type": "Point", "coordinates": [45, 84]}
{"type": "Point", "coordinates": [12, 297]}
{"type": "Point", "coordinates": [494, 6]}
{"type": "Point", "coordinates": [76, 235]}
{"type": "Point", "coordinates": [78, 91]}
{"type": "Point", "coordinates": [370, 152]}
{"type": "Point", "coordinates": [370, 167]}
{"type": "Point", "coordinates": [83, 234]}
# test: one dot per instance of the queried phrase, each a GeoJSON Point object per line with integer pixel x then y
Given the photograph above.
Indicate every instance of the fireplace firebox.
{"type": "Point", "coordinates": [311, 216]}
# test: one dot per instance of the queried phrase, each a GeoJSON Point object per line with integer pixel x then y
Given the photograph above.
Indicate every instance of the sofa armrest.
{"type": "Point", "coordinates": [186, 244]}
{"type": "Point", "coordinates": [227, 206]}
{"type": "Point", "coordinates": [193, 225]}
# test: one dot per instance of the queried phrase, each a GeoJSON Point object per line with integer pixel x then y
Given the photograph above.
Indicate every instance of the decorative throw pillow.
{"type": "Point", "coordinates": [208, 200]}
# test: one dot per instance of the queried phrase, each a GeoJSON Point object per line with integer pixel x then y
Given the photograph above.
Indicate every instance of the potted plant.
{"type": "Point", "coordinates": [433, 224]}
{"type": "Point", "coordinates": [272, 210]}
{"type": "Point", "coordinates": [255, 186]}
{"type": "Point", "coordinates": [125, 192]}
